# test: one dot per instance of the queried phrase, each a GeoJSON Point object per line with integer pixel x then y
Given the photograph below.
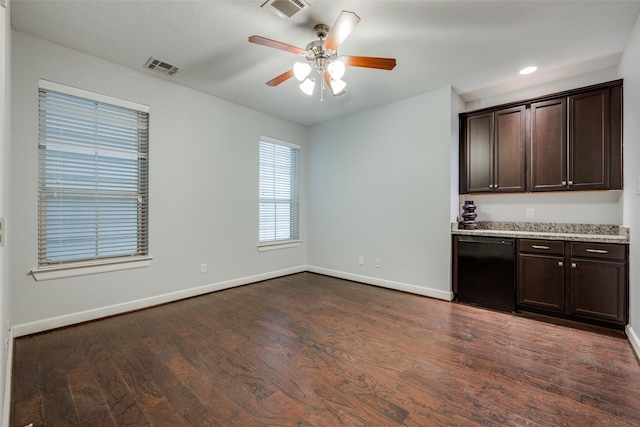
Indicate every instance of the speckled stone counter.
{"type": "Point", "coordinates": [600, 233]}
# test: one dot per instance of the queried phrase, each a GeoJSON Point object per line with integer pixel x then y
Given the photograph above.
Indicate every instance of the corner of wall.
{"type": "Point", "coordinates": [6, 338]}
{"type": "Point", "coordinates": [457, 106]}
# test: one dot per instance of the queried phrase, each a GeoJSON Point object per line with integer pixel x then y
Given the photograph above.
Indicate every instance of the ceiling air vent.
{"type": "Point", "coordinates": [285, 8]}
{"type": "Point", "coordinates": [161, 66]}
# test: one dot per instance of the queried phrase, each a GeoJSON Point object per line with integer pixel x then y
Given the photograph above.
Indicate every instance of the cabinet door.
{"type": "Point", "coordinates": [478, 153]}
{"type": "Point", "coordinates": [509, 150]}
{"type": "Point", "coordinates": [541, 282]}
{"type": "Point", "coordinates": [548, 145]}
{"type": "Point", "coordinates": [589, 140]}
{"type": "Point", "coordinates": [598, 290]}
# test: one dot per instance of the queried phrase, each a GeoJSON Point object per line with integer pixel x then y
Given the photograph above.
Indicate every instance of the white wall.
{"type": "Point", "coordinates": [5, 295]}
{"type": "Point", "coordinates": [575, 82]}
{"type": "Point", "coordinates": [203, 191]}
{"type": "Point", "coordinates": [595, 207]}
{"type": "Point", "coordinates": [581, 207]}
{"type": "Point", "coordinates": [379, 187]}
{"type": "Point", "coordinates": [630, 71]}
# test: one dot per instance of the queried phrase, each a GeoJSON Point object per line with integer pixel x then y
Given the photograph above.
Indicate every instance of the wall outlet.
{"type": "Point", "coordinates": [530, 212]}
{"type": "Point", "coordinates": [377, 262]}
{"type": "Point", "coordinates": [203, 268]}
{"type": "Point", "coordinates": [360, 260]}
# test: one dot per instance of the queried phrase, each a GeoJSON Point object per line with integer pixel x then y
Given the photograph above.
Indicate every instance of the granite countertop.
{"type": "Point", "coordinates": [599, 233]}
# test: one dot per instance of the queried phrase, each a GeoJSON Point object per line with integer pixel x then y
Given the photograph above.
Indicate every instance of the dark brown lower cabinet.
{"type": "Point", "coordinates": [541, 282]}
{"type": "Point", "coordinates": [576, 280]}
{"type": "Point", "coordinates": [599, 282]}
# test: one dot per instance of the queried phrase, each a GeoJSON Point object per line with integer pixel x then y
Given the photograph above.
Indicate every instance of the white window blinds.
{"type": "Point", "coordinates": [93, 179]}
{"type": "Point", "coordinates": [279, 191]}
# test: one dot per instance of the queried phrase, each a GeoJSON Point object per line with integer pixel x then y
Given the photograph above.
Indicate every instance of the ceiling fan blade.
{"type": "Point", "coordinates": [345, 23]}
{"type": "Point", "coordinates": [327, 80]}
{"type": "Point", "coordinates": [276, 45]}
{"type": "Point", "coordinates": [369, 62]}
{"type": "Point", "coordinates": [281, 78]}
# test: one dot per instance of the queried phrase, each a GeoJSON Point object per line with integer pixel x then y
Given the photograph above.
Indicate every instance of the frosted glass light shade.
{"type": "Point", "coordinates": [301, 70]}
{"type": "Point", "coordinates": [336, 69]}
{"type": "Point", "coordinates": [337, 86]}
{"type": "Point", "coordinates": [307, 86]}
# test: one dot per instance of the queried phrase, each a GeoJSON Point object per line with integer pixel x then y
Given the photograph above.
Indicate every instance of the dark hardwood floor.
{"type": "Point", "coordinates": [309, 350]}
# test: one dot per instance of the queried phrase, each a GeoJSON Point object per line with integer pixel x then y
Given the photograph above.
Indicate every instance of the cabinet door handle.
{"type": "Point", "coordinates": [564, 182]}
{"type": "Point", "coordinates": [570, 182]}
{"type": "Point", "coordinates": [540, 247]}
{"type": "Point", "coordinates": [597, 251]}
{"type": "Point", "coordinates": [490, 185]}
{"type": "Point", "coordinates": [573, 265]}
{"type": "Point", "coordinates": [560, 264]}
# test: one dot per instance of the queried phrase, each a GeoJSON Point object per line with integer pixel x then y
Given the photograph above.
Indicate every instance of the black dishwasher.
{"type": "Point", "coordinates": [487, 272]}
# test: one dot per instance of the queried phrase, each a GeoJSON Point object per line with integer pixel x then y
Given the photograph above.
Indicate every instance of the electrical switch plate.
{"type": "Point", "coordinates": [638, 187]}
{"type": "Point", "coordinates": [530, 212]}
{"type": "Point", "coordinates": [203, 268]}
{"type": "Point", "coordinates": [360, 260]}
{"type": "Point", "coordinates": [377, 262]}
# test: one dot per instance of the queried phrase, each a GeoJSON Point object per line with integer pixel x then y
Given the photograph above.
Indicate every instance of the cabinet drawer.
{"type": "Point", "coordinates": [551, 247]}
{"type": "Point", "coordinates": [598, 251]}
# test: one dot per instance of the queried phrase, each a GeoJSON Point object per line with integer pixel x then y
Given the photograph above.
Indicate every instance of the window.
{"type": "Point", "coordinates": [93, 174]}
{"type": "Point", "coordinates": [279, 192]}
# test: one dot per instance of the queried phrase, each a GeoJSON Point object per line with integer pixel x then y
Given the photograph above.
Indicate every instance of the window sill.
{"type": "Point", "coordinates": [272, 246]}
{"type": "Point", "coordinates": [85, 268]}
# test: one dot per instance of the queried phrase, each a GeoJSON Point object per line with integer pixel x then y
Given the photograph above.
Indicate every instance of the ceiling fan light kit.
{"type": "Point", "coordinates": [322, 57]}
{"type": "Point", "coordinates": [308, 85]}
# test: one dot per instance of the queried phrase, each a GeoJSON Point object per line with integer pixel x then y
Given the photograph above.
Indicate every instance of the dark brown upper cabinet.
{"type": "Point", "coordinates": [548, 145]}
{"type": "Point", "coordinates": [588, 140]}
{"type": "Point", "coordinates": [569, 141]}
{"type": "Point", "coordinates": [492, 157]}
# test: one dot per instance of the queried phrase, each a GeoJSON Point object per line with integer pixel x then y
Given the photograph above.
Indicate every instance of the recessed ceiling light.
{"type": "Point", "coordinates": [528, 70]}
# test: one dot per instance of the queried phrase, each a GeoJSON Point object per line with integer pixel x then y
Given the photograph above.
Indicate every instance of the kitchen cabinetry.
{"type": "Point", "coordinates": [493, 157]}
{"type": "Point", "coordinates": [599, 281]}
{"type": "Point", "coordinates": [541, 274]}
{"type": "Point", "coordinates": [580, 281]}
{"type": "Point", "coordinates": [570, 141]}
{"type": "Point", "coordinates": [548, 145]}
{"type": "Point", "coordinates": [576, 142]}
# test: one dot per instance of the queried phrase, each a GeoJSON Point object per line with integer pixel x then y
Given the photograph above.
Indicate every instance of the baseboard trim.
{"type": "Point", "coordinates": [634, 340]}
{"type": "Point", "coordinates": [98, 313]}
{"type": "Point", "coordinates": [6, 404]}
{"type": "Point", "coordinates": [398, 286]}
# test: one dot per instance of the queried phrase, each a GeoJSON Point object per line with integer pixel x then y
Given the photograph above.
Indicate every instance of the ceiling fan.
{"type": "Point", "coordinates": [322, 57]}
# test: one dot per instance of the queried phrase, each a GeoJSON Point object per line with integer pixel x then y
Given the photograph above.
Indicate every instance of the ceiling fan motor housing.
{"type": "Point", "coordinates": [321, 30]}
{"type": "Point", "coordinates": [318, 55]}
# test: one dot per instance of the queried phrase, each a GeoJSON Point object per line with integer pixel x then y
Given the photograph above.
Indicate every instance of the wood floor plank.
{"type": "Point", "coordinates": [311, 350]}
{"type": "Point", "coordinates": [89, 401]}
{"type": "Point", "coordinates": [124, 409]}
{"type": "Point", "coordinates": [25, 412]}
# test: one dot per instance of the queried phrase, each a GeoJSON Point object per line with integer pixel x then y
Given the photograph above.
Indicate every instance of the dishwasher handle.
{"type": "Point", "coordinates": [485, 240]}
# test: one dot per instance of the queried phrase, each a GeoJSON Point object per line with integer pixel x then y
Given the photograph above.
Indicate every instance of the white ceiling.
{"type": "Point", "coordinates": [477, 47]}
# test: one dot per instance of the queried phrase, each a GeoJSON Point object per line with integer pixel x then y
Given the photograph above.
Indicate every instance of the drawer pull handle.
{"type": "Point", "coordinates": [539, 247]}
{"type": "Point", "coordinates": [597, 251]}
